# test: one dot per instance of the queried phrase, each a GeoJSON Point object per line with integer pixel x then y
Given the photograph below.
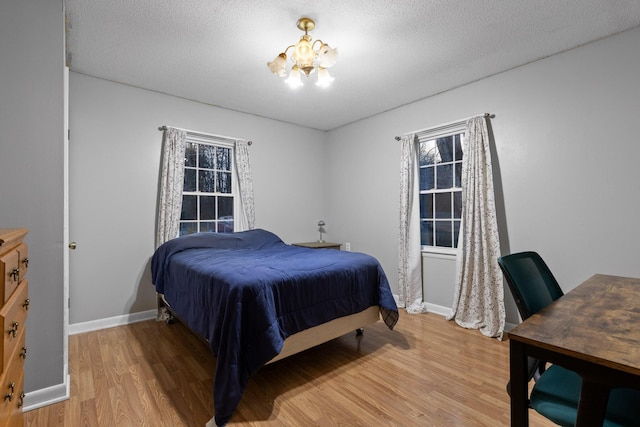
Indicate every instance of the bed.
{"type": "Point", "coordinates": [256, 299]}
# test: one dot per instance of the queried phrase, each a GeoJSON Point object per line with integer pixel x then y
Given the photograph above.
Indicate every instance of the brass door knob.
{"type": "Point", "coordinates": [72, 245]}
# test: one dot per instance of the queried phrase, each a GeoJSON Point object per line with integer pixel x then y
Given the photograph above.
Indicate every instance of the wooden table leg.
{"type": "Point", "coordinates": [518, 377]}
{"type": "Point", "coordinates": [592, 405]}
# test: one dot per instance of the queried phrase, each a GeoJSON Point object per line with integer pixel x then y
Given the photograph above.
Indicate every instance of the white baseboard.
{"type": "Point", "coordinates": [110, 322]}
{"type": "Point", "coordinates": [438, 309]}
{"type": "Point", "coordinates": [431, 308]}
{"type": "Point", "coordinates": [48, 396]}
{"type": "Point", "coordinates": [446, 312]}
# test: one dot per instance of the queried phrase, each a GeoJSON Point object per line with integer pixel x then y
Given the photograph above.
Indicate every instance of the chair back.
{"type": "Point", "coordinates": [531, 282]}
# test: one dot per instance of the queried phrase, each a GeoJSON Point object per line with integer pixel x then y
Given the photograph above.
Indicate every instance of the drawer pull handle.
{"type": "Point", "coordinates": [21, 401]}
{"type": "Point", "coordinates": [23, 353]}
{"type": "Point", "coordinates": [13, 331]}
{"type": "Point", "coordinates": [25, 262]}
{"type": "Point", "coordinates": [9, 396]}
{"type": "Point", "coordinates": [15, 273]}
{"type": "Point", "coordinates": [26, 304]}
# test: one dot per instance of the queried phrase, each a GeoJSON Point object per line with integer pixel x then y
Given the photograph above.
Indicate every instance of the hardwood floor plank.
{"type": "Point", "coordinates": [71, 411]}
{"type": "Point", "coordinates": [165, 404]}
{"type": "Point", "coordinates": [426, 372]}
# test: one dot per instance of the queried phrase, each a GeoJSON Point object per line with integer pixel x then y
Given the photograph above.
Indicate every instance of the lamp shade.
{"type": "Point", "coordinates": [294, 77]}
{"type": "Point", "coordinates": [324, 78]}
{"type": "Point", "coordinates": [327, 56]}
{"type": "Point", "coordinates": [277, 66]}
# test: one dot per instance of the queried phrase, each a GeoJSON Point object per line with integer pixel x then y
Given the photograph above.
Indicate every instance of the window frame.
{"type": "Point", "coordinates": [445, 130]}
{"type": "Point", "coordinates": [216, 141]}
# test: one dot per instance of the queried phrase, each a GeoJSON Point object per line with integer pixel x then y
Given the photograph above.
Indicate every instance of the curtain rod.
{"type": "Point", "coordinates": [195, 132]}
{"type": "Point", "coordinates": [485, 115]}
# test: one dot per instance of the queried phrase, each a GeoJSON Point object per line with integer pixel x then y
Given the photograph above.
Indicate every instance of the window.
{"type": "Point", "coordinates": [440, 163]}
{"type": "Point", "coordinates": [209, 188]}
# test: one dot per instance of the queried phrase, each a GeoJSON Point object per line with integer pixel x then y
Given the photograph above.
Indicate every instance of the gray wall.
{"type": "Point", "coordinates": [438, 274]}
{"type": "Point", "coordinates": [114, 168]}
{"type": "Point", "coordinates": [31, 168]}
{"type": "Point", "coordinates": [567, 153]}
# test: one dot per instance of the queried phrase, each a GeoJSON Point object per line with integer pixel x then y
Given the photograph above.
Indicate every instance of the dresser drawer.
{"type": "Point", "coordinates": [10, 270]}
{"type": "Point", "coordinates": [15, 372]}
{"type": "Point", "coordinates": [23, 261]}
{"type": "Point", "coordinates": [12, 395]}
{"type": "Point", "coordinates": [12, 318]}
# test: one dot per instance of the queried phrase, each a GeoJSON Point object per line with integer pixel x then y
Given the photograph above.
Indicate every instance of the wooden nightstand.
{"type": "Point", "coordinates": [318, 245]}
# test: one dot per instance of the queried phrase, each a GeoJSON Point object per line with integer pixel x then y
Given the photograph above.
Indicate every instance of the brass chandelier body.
{"type": "Point", "coordinates": [307, 56]}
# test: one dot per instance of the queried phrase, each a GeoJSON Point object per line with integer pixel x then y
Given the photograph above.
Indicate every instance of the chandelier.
{"type": "Point", "coordinates": [307, 56]}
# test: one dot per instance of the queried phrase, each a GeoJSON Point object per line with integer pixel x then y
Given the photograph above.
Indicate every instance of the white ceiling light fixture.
{"type": "Point", "coordinates": [307, 57]}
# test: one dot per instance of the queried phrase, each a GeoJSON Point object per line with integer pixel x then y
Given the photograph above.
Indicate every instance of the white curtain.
{"type": "Point", "coordinates": [246, 220]}
{"type": "Point", "coordinates": [409, 254]}
{"type": "Point", "coordinates": [171, 184]}
{"type": "Point", "coordinates": [479, 295]}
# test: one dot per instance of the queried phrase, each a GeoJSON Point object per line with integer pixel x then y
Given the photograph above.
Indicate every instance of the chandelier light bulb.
{"type": "Point", "coordinates": [305, 57]}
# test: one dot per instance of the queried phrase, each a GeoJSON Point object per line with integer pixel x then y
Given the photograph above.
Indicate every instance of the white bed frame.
{"type": "Point", "coordinates": [335, 328]}
{"type": "Point", "coordinates": [308, 338]}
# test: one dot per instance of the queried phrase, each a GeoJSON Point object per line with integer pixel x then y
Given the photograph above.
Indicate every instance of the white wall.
{"type": "Point", "coordinates": [114, 169]}
{"type": "Point", "coordinates": [567, 153]}
{"type": "Point", "coordinates": [31, 169]}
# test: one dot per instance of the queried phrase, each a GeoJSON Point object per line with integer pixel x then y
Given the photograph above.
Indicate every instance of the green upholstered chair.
{"type": "Point", "coordinates": [533, 287]}
{"type": "Point", "coordinates": [556, 391]}
{"type": "Point", "coordinates": [555, 396]}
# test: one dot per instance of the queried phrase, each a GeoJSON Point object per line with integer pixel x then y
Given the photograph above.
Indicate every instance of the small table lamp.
{"type": "Point", "coordinates": [321, 229]}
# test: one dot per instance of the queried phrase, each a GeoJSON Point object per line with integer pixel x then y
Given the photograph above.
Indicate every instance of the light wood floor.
{"type": "Point", "coordinates": [426, 372]}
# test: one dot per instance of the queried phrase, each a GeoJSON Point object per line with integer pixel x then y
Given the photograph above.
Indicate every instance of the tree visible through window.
{"type": "Point", "coordinates": [208, 192]}
{"type": "Point", "coordinates": [440, 165]}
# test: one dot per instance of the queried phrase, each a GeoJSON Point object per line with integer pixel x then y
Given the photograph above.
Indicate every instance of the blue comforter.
{"type": "Point", "coordinates": [246, 292]}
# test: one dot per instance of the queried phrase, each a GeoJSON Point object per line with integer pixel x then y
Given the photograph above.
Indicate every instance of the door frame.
{"type": "Point", "coordinates": [65, 232]}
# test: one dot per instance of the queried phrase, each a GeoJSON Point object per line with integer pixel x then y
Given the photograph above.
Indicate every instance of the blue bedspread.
{"type": "Point", "coordinates": [246, 292]}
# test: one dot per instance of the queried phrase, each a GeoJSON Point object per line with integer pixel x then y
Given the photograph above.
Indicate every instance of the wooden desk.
{"type": "Point", "coordinates": [593, 330]}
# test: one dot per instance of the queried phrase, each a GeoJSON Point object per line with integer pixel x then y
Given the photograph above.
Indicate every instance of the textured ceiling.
{"type": "Point", "coordinates": [390, 52]}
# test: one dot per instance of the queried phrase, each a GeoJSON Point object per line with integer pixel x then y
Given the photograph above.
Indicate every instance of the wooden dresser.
{"type": "Point", "coordinates": [14, 303]}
